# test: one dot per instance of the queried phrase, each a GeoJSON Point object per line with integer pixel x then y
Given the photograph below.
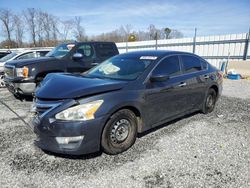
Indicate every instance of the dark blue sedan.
{"type": "Point", "coordinates": [105, 108]}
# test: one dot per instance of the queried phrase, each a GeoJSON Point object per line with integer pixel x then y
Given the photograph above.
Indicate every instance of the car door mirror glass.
{"type": "Point", "coordinates": [159, 78]}
{"type": "Point", "coordinates": [77, 56]}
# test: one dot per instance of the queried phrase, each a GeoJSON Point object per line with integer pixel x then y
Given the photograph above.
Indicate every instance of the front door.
{"type": "Point", "coordinates": [84, 64]}
{"type": "Point", "coordinates": [165, 99]}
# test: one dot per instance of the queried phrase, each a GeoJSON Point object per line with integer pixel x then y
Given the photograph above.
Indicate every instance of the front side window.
{"type": "Point", "coordinates": [27, 56]}
{"type": "Point", "coordinates": [86, 50]}
{"type": "Point", "coordinates": [191, 63]}
{"type": "Point", "coordinates": [60, 51]}
{"type": "Point", "coordinates": [120, 68]}
{"type": "Point", "coordinates": [168, 66]}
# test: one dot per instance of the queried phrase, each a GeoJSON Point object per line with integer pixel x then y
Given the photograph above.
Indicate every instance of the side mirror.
{"type": "Point", "coordinates": [159, 78]}
{"type": "Point", "coordinates": [77, 56]}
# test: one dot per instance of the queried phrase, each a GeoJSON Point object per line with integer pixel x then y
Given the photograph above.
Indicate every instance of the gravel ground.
{"type": "Point", "coordinates": [197, 151]}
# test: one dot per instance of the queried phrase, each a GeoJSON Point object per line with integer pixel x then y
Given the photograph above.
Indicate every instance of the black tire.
{"type": "Point", "coordinates": [120, 132]}
{"type": "Point", "coordinates": [2, 84]}
{"type": "Point", "coordinates": [38, 81]}
{"type": "Point", "coordinates": [210, 101]}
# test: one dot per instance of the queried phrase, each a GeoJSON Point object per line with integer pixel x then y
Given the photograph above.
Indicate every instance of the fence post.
{"type": "Point", "coordinates": [194, 43]}
{"type": "Point", "coordinates": [246, 45]}
{"type": "Point", "coordinates": [156, 40]}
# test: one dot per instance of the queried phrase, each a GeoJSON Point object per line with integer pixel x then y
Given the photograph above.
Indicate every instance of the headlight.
{"type": "Point", "coordinates": [80, 112]}
{"type": "Point", "coordinates": [22, 72]}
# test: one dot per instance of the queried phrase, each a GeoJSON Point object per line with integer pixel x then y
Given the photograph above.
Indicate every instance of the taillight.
{"type": "Point", "coordinates": [220, 74]}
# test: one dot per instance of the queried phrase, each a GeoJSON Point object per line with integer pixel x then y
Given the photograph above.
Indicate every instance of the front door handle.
{"type": "Point", "coordinates": [182, 84]}
{"type": "Point", "coordinates": [94, 64]}
{"type": "Point", "coordinates": [206, 76]}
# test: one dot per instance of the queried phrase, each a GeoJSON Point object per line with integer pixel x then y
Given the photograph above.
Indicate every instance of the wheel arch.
{"type": "Point", "coordinates": [132, 108]}
{"type": "Point", "coordinates": [216, 89]}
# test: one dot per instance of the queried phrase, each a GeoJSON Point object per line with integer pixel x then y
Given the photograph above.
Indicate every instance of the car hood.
{"type": "Point", "coordinates": [25, 62]}
{"type": "Point", "coordinates": [69, 86]}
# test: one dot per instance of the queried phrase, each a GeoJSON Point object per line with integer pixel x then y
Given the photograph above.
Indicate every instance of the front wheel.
{"type": "Point", "coordinates": [120, 132]}
{"type": "Point", "coordinates": [209, 102]}
{"type": "Point", "coordinates": [2, 84]}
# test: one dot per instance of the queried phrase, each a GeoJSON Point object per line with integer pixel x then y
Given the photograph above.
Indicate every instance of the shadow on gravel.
{"type": "Point", "coordinates": [76, 157]}
{"type": "Point", "coordinates": [167, 124]}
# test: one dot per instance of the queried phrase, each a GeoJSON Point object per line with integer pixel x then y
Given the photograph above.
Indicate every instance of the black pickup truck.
{"type": "Point", "coordinates": [22, 76]}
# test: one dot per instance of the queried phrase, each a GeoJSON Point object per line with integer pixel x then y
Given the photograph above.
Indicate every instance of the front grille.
{"type": "Point", "coordinates": [9, 72]}
{"type": "Point", "coordinates": [41, 107]}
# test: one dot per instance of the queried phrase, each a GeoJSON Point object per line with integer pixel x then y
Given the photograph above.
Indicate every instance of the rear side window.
{"type": "Point", "coordinates": [169, 66]}
{"type": "Point", "coordinates": [191, 63]}
{"type": "Point", "coordinates": [203, 64]}
{"type": "Point", "coordinates": [106, 50]}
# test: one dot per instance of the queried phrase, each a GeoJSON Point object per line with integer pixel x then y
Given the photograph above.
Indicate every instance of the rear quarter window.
{"type": "Point", "coordinates": [106, 50]}
{"type": "Point", "coordinates": [191, 63]}
{"type": "Point", "coordinates": [203, 64]}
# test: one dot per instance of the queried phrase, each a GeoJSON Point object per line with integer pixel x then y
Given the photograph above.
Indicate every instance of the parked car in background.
{"type": "Point", "coordinates": [22, 77]}
{"type": "Point", "coordinates": [19, 55]}
{"type": "Point", "coordinates": [127, 94]}
{"type": "Point", "coordinates": [4, 53]}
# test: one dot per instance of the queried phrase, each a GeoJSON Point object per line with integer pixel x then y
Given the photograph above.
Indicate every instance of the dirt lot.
{"type": "Point", "coordinates": [197, 151]}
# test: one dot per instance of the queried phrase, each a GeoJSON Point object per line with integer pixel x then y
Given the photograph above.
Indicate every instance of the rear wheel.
{"type": "Point", "coordinates": [120, 132]}
{"type": "Point", "coordinates": [209, 102]}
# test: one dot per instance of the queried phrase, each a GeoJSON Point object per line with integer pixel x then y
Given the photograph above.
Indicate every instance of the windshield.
{"type": "Point", "coordinates": [8, 57]}
{"type": "Point", "coordinates": [120, 68]}
{"type": "Point", "coordinates": [60, 51]}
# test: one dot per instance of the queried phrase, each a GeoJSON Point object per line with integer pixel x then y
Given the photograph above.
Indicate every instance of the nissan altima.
{"type": "Point", "coordinates": [106, 107]}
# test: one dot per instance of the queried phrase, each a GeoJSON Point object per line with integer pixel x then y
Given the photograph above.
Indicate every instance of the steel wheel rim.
{"type": "Point", "coordinates": [210, 101]}
{"type": "Point", "coordinates": [120, 131]}
{"type": "Point", "coordinates": [2, 84]}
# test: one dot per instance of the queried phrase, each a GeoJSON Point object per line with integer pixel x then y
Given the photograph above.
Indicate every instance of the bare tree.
{"type": "Point", "coordinates": [30, 15]}
{"type": "Point", "coordinates": [41, 29]}
{"type": "Point", "coordinates": [79, 31]}
{"type": "Point", "coordinates": [54, 21]}
{"type": "Point", "coordinates": [7, 19]}
{"type": "Point", "coordinates": [19, 29]}
{"type": "Point", "coordinates": [66, 29]}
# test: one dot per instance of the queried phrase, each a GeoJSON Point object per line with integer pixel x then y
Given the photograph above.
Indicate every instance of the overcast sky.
{"type": "Point", "coordinates": [211, 17]}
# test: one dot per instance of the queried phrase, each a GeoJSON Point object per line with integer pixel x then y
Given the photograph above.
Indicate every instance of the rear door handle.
{"type": "Point", "coordinates": [182, 84]}
{"type": "Point", "coordinates": [94, 64]}
{"type": "Point", "coordinates": [206, 76]}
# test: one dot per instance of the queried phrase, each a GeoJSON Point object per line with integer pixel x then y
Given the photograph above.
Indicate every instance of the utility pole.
{"type": "Point", "coordinates": [156, 40]}
{"type": "Point", "coordinates": [194, 44]}
{"type": "Point", "coordinates": [246, 45]}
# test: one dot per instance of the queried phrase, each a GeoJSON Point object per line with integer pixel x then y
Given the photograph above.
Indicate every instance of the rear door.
{"type": "Point", "coordinates": [195, 76]}
{"type": "Point", "coordinates": [84, 64]}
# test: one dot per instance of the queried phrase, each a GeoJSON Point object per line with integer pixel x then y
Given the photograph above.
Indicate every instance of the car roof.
{"type": "Point", "coordinates": [29, 50]}
{"type": "Point", "coordinates": [88, 42]}
{"type": "Point", "coordinates": [157, 53]}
